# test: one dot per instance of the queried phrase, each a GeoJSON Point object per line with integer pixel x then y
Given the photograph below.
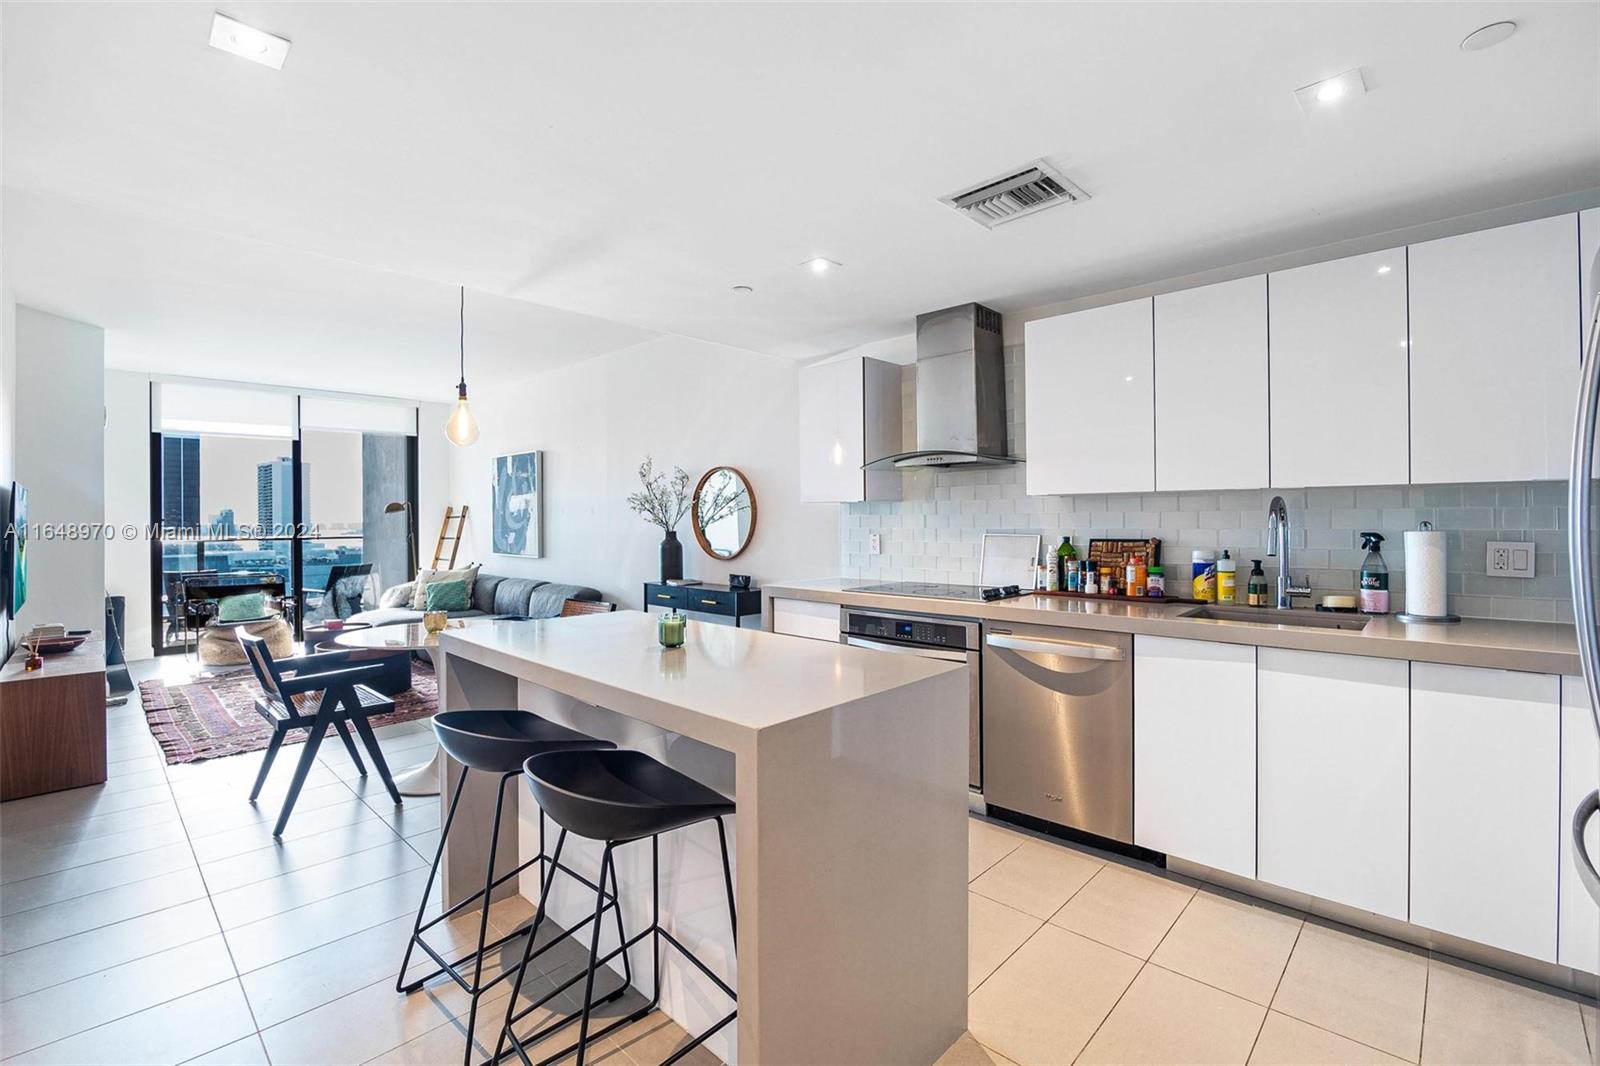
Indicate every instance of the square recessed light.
{"type": "Point", "coordinates": [1321, 95]}
{"type": "Point", "coordinates": [247, 42]}
{"type": "Point", "coordinates": [819, 265]}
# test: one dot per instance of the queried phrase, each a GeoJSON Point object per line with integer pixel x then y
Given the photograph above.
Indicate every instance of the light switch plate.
{"type": "Point", "coordinates": [874, 544]}
{"type": "Point", "coordinates": [1509, 558]}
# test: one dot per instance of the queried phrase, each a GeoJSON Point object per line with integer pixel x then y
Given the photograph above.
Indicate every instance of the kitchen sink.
{"type": "Point", "coordinates": [1271, 616]}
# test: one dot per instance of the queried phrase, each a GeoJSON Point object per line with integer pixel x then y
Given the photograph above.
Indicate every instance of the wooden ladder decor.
{"type": "Point", "coordinates": [454, 538]}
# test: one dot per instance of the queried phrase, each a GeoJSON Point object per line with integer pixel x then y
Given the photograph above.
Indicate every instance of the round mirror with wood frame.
{"type": "Point", "coordinates": [724, 512]}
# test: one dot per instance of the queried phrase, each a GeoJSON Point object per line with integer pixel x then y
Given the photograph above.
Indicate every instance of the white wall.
{"type": "Point", "coordinates": [686, 403]}
{"type": "Point", "coordinates": [127, 501]}
{"type": "Point", "coordinates": [60, 458]}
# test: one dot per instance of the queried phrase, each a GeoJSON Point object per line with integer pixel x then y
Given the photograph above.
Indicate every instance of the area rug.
{"type": "Point", "coordinates": [215, 716]}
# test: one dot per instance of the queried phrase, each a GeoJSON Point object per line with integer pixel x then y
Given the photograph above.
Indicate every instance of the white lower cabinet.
{"type": "Point", "coordinates": [1485, 806]}
{"type": "Point", "coordinates": [1333, 743]}
{"type": "Point", "coordinates": [806, 618]}
{"type": "Point", "coordinates": [1194, 751]}
{"type": "Point", "coordinates": [1580, 774]}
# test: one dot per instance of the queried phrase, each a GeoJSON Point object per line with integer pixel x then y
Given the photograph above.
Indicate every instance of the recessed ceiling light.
{"type": "Point", "coordinates": [819, 265]}
{"type": "Point", "coordinates": [247, 42]}
{"type": "Point", "coordinates": [1488, 36]}
{"type": "Point", "coordinates": [1384, 269]}
{"type": "Point", "coordinates": [742, 289]}
{"type": "Point", "coordinates": [1322, 94]}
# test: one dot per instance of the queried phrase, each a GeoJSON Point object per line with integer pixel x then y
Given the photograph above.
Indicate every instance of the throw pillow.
{"type": "Point", "coordinates": [242, 608]}
{"type": "Point", "coordinates": [419, 600]}
{"type": "Point", "coordinates": [399, 596]}
{"type": "Point", "coordinates": [447, 596]}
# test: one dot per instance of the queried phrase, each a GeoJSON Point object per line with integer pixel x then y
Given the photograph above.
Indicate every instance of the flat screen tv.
{"type": "Point", "coordinates": [14, 568]}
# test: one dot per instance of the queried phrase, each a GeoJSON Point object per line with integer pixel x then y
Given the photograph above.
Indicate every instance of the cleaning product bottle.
{"type": "Point", "coordinates": [1374, 595]}
{"type": "Point", "coordinates": [1255, 588]}
{"type": "Point", "coordinates": [1227, 579]}
{"type": "Point", "coordinates": [1203, 565]}
{"type": "Point", "coordinates": [1052, 575]}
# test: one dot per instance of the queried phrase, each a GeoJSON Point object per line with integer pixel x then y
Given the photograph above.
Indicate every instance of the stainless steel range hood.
{"type": "Point", "coordinates": [961, 392]}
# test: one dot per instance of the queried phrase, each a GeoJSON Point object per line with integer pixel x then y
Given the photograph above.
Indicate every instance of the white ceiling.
{"type": "Point", "coordinates": [633, 162]}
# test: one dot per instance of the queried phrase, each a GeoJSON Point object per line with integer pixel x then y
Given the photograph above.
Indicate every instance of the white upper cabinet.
{"type": "Point", "coordinates": [1334, 745]}
{"type": "Point", "coordinates": [849, 415]}
{"type": "Point", "coordinates": [1338, 357]}
{"type": "Point", "coordinates": [1211, 387]}
{"type": "Point", "coordinates": [1090, 410]}
{"type": "Point", "coordinates": [1486, 806]}
{"type": "Point", "coordinates": [1588, 249]}
{"type": "Point", "coordinates": [1494, 353]}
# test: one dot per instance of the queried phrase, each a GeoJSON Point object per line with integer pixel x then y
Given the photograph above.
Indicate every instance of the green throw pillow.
{"type": "Point", "coordinates": [446, 596]}
{"type": "Point", "coordinates": [242, 608]}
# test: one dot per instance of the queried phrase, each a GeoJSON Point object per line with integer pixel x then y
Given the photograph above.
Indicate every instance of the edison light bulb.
{"type": "Point", "coordinates": [461, 428]}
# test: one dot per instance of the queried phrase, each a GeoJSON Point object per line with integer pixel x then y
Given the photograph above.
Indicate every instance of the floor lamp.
{"type": "Point", "coordinates": [411, 531]}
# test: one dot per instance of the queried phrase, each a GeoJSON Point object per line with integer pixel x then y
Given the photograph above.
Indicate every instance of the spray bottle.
{"type": "Point", "coordinates": [1374, 595]}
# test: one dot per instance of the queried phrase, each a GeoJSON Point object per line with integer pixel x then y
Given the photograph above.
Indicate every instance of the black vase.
{"type": "Point", "coordinates": [672, 557]}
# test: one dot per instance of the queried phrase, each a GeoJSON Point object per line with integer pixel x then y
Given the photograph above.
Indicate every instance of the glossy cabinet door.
{"type": "Point", "coordinates": [1588, 248]}
{"type": "Point", "coordinates": [1211, 387]}
{"type": "Point", "coordinates": [806, 618]}
{"type": "Point", "coordinates": [1194, 751]}
{"type": "Point", "coordinates": [849, 414]}
{"type": "Point", "coordinates": [1333, 742]}
{"type": "Point", "coordinates": [1338, 361]}
{"type": "Point", "coordinates": [1579, 945]}
{"type": "Point", "coordinates": [1089, 406]}
{"type": "Point", "coordinates": [1486, 805]}
{"type": "Point", "coordinates": [1494, 353]}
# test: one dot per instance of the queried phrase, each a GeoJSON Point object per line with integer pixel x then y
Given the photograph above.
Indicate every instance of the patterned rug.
{"type": "Point", "coordinates": [216, 716]}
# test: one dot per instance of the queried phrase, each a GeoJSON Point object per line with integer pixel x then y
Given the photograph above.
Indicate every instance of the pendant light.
{"type": "Point", "coordinates": [462, 428]}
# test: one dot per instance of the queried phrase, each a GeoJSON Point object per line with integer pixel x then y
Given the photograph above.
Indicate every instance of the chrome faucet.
{"type": "Point", "coordinates": [1278, 541]}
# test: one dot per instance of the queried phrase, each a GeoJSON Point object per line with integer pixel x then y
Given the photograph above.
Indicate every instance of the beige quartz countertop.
{"type": "Point", "coordinates": [1537, 647]}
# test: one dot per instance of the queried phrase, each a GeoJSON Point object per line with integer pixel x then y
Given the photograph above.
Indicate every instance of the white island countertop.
{"type": "Point", "coordinates": [722, 687]}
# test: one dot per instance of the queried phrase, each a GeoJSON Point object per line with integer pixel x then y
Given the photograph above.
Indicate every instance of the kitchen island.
{"type": "Point", "coordinates": [850, 842]}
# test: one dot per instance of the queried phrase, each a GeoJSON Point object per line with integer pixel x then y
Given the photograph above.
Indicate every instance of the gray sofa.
{"type": "Point", "coordinates": [524, 597]}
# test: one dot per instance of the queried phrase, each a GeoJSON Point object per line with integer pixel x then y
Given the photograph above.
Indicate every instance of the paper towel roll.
{"type": "Point", "coordinates": [1425, 573]}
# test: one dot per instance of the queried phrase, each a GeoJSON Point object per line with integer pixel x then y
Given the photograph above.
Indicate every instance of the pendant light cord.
{"type": "Point", "coordinates": [461, 336]}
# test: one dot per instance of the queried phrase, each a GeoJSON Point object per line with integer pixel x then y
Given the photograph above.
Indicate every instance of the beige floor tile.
{"type": "Point", "coordinates": [968, 1052]}
{"type": "Point", "coordinates": [75, 805]}
{"type": "Point", "coordinates": [308, 884]}
{"type": "Point", "coordinates": [1037, 878]}
{"type": "Point", "coordinates": [425, 844]}
{"type": "Point", "coordinates": [96, 877]}
{"type": "Point", "coordinates": [987, 844]}
{"type": "Point", "coordinates": [21, 863]}
{"type": "Point", "coordinates": [1286, 1041]}
{"type": "Point", "coordinates": [1165, 1017]}
{"type": "Point", "coordinates": [306, 822]}
{"type": "Point", "coordinates": [190, 1025]}
{"type": "Point", "coordinates": [1045, 1002]}
{"type": "Point", "coordinates": [652, 1038]}
{"type": "Point", "coordinates": [35, 968]}
{"type": "Point", "coordinates": [1361, 987]}
{"type": "Point", "coordinates": [27, 929]}
{"type": "Point", "coordinates": [1590, 1017]}
{"type": "Point", "coordinates": [1231, 943]}
{"type": "Point", "coordinates": [1473, 1017]}
{"type": "Point", "coordinates": [1130, 910]}
{"type": "Point", "coordinates": [994, 931]}
{"type": "Point", "coordinates": [259, 865]}
{"type": "Point", "coordinates": [273, 939]}
{"type": "Point", "coordinates": [88, 828]}
{"type": "Point", "coordinates": [67, 1009]}
{"type": "Point", "coordinates": [361, 1025]}
{"type": "Point", "coordinates": [241, 814]}
{"type": "Point", "coordinates": [246, 1052]}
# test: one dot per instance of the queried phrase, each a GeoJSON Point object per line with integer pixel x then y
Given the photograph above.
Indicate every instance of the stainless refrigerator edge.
{"type": "Point", "coordinates": [1581, 551]}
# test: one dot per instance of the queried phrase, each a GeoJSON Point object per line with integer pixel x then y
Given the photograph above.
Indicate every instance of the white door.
{"type": "Point", "coordinates": [1494, 353]}
{"type": "Point", "coordinates": [1486, 805]}
{"type": "Point", "coordinates": [1194, 751]}
{"type": "Point", "coordinates": [1579, 947]}
{"type": "Point", "coordinates": [1211, 387]}
{"type": "Point", "coordinates": [1338, 359]}
{"type": "Point", "coordinates": [832, 442]}
{"type": "Point", "coordinates": [1333, 741]}
{"type": "Point", "coordinates": [1089, 402]}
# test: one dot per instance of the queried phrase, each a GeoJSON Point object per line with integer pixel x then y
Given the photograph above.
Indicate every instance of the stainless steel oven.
{"type": "Point", "coordinates": [951, 640]}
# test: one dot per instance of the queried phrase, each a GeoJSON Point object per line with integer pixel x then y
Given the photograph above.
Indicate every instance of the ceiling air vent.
{"type": "Point", "coordinates": [1012, 196]}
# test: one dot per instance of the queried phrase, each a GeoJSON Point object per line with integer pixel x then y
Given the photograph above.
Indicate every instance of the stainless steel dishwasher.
{"type": "Point", "coordinates": [1058, 726]}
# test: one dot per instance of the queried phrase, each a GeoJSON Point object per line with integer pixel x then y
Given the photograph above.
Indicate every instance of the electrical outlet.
{"type": "Point", "coordinates": [1509, 558]}
{"type": "Point", "coordinates": [874, 544]}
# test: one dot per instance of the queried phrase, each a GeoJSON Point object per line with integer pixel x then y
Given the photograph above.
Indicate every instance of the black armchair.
{"type": "Point", "coordinates": [314, 692]}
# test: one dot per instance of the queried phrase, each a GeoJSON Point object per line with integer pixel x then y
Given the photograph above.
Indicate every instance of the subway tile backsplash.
{"type": "Point", "coordinates": [934, 532]}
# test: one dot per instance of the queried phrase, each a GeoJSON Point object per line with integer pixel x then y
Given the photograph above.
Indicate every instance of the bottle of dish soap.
{"type": "Point", "coordinates": [1256, 592]}
{"type": "Point", "coordinates": [1374, 596]}
{"type": "Point", "coordinates": [1227, 579]}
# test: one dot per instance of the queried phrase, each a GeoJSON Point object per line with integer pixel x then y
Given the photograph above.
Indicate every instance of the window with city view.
{"type": "Point", "coordinates": [227, 506]}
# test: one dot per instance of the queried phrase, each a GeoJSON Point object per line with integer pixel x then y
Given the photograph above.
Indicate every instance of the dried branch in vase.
{"type": "Point", "coordinates": [662, 501]}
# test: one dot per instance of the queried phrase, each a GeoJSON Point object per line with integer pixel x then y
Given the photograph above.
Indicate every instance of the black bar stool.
{"type": "Point", "coordinates": [494, 742]}
{"type": "Point", "coordinates": [616, 797]}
